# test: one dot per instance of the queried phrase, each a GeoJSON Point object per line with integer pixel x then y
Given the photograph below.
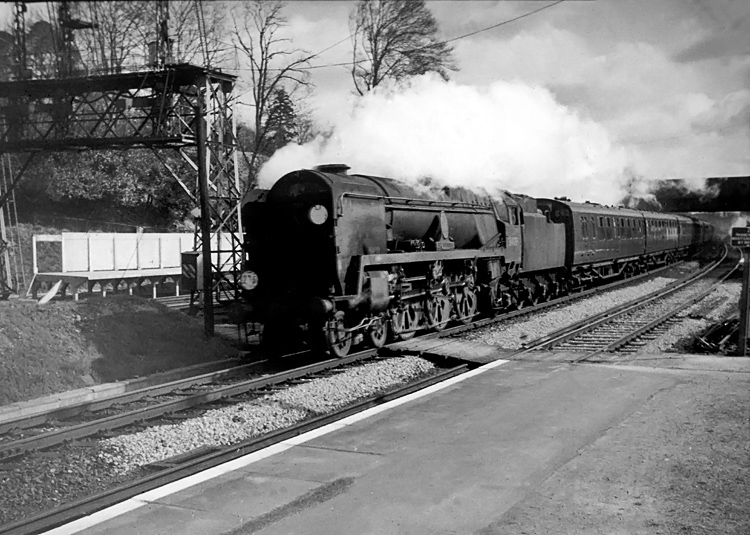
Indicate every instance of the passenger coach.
{"type": "Point", "coordinates": [606, 242]}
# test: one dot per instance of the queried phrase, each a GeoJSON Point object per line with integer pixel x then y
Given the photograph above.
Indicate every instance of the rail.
{"type": "Point", "coordinates": [629, 330]}
{"type": "Point", "coordinates": [205, 459]}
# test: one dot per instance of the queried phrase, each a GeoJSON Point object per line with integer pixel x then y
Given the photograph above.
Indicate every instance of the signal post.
{"type": "Point", "coordinates": [740, 237]}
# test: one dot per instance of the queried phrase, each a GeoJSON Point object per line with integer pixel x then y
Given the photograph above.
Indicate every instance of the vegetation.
{"type": "Point", "coordinates": [394, 39]}
{"type": "Point", "coordinates": [278, 73]}
{"type": "Point", "coordinates": [115, 190]}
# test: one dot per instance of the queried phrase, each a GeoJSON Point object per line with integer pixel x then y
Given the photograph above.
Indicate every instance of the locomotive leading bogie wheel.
{"type": "Point", "coordinates": [403, 322]}
{"type": "Point", "coordinates": [438, 312]}
{"type": "Point", "coordinates": [339, 340]}
{"type": "Point", "coordinates": [377, 333]}
{"type": "Point", "coordinates": [466, 305]}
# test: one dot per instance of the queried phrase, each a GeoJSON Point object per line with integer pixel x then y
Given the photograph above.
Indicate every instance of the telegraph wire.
{"type": "Point", "coordinates": [349, 63]}
{"type": "Point", "coordinates": [451, 40]}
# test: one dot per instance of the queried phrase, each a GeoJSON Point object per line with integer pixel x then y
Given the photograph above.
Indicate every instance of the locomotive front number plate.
{"type": "Point", "coordinates": [740, 237]}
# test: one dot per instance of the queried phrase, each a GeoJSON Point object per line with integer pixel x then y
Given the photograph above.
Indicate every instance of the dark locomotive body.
{"type": "Point", "coordinates": [336, 258]}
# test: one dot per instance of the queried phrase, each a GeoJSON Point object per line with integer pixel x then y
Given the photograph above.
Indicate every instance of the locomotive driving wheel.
{"type": "Point", "coordinates": [377, 333]}
{"type": "Point", "coordinates": [521, 299]}
{"type": "Point", "coordinates": [404, 322]}
{"type": "Point", "coordinates": [438, 312]}
{"type": "Point", "coordinates": [538, 294]}
{"type": "Point", "coordinates": [466, 305]}
{"type": "Point", "coordinates": [338, 339]}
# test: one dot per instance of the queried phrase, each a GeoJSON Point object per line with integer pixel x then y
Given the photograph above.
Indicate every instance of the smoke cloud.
{"type": "Point", "coordinates": [506, 136]}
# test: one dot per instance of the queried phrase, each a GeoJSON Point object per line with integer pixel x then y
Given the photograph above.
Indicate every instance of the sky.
{"type": "Point", "coordinates": [587, 99]}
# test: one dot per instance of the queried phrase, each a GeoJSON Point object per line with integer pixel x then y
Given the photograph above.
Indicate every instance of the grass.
{"type": "Point", "coordinates": [66, 344]}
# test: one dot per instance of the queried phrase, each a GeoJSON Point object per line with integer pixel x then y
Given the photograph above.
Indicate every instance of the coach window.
{"type": "Point", "coordinates": [584, 228]}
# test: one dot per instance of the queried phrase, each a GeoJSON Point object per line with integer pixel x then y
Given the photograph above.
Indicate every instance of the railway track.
{"type": "Point", "coordinates": [197, 396]}
{"type": "Point", "coordinates": [194, 462]}
{"type": "Point", "coordinates": [29, 419]}
{"type": "Point", "coordinates": [150, 404]}
{"type": "Point", "coordinates": [626, 328]}
{"type": "Point", "coordinates": [138, 407]}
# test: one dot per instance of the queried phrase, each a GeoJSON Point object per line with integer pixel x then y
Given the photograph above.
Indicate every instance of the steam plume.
{"type": "Point", "coordinates": [507, 136]}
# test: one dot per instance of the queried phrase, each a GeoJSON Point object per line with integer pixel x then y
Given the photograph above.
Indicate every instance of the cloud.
{"type": "Point", "coordinates": [729, 111]}
{"type": "Point", "coordinates": [614, 66]}
{"type": "Point", "coordinates": [657, 108]}
{"type": "Point", "coordinates": [726, 35]}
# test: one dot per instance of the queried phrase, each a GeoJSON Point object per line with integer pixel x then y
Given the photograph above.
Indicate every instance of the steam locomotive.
{"type": "Point", "coordinates": [335, 259]}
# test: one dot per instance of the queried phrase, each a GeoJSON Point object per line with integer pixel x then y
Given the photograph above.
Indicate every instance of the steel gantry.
{"type": "Point", "coordinates": [184, 107]}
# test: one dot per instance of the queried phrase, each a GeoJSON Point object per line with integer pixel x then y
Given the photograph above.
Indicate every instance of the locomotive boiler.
{"type": "Point", "coordinates": [335, 258]}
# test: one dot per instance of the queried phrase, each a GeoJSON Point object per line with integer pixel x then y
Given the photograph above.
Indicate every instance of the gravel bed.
{"type": "Point", "coordinates": [40, 482]}
{"type": "Point", "coordinates": [610, 331]}
{"type": "Point", "coordinates": [693, 320]}
{"type": "Point", "coordinates": [514, 333]}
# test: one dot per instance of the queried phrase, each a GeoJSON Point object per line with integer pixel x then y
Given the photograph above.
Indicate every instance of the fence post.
{"type": "Point", "coordinates": [34, 264]}
{"type": "Point", "coordinates": [88, 252]}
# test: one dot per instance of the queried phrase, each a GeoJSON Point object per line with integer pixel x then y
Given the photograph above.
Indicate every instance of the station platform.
{"type": "Point", "coordinates": [454, 458]}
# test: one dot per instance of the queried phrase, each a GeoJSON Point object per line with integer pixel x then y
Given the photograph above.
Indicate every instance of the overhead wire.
{"type": "Point", "coordinates": [349, 63]}
{"type": "Point", "coordinates": [451, 40]}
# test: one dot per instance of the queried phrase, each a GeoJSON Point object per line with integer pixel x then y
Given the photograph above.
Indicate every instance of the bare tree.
{"type": "Point", "coordinates": [393, 39]}
{"type": "Point", "coordinates": [117, 34]}
{"type": "Point", "coordinates": [124, 32]}
{"type": "Point", "coordinates": [273, 64]}
{"type": "Point", "coordinates": [190, 35]}
{"type": "Point", "coordinates": [41, 49]}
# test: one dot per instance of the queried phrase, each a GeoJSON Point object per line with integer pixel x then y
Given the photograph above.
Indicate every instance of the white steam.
{"type": "Point", "coordinates": [507, 136]}
{"type": "Point", "coordinates": [741, 220]}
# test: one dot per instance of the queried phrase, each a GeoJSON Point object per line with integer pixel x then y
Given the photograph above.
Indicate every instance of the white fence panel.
{"type": "Point", "coordinates": [186, 242]}
{"type": "Point", "coordinates": [170, 250]}
{"type": "Point", "coordinates": [126, 251]}
{"type": "Point", "coordinates": [75, 251]}
{"type": "Point", "coordinates": [148, 251]}
{"type": "Point", "coordinates": [101, 252]}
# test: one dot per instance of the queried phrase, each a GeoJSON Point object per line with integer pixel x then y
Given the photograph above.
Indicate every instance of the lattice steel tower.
{"type": "Point", "coordinates": [184, 107]}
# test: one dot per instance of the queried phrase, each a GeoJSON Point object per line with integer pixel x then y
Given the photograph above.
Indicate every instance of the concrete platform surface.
{"type": "Point", "coordinates": [453, 461]}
